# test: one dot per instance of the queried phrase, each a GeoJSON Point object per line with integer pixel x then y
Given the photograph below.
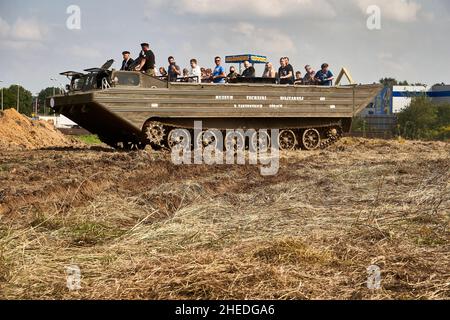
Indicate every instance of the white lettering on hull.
{"type": "Point", "coordinates": [260, 98]}
{"type": "Point", "coordinates": [224, 98]}
{"type": "Point", "coordinates": [249, 106]}
{"type": "Point", "coordinates": [291, 98]}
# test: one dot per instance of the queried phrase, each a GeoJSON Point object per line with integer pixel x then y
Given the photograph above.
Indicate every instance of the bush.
{"type": "Point", "coordinates": [423, 119]}
{"type": "Point", "coordinates": [358, 124]}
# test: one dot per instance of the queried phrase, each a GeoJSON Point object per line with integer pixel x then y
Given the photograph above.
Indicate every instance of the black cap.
{"type": "Point", "coordinates": [126, 52]}
{"type": "Point", "coordinates": [145, 45]}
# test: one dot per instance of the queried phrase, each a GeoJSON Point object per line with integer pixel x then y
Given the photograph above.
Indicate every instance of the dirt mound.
{"type": "Point", "coordinates": [18, 132]}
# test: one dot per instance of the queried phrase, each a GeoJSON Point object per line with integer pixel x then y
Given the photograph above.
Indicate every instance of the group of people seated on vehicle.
{"type": "Point", "coordinates": [285, 74]}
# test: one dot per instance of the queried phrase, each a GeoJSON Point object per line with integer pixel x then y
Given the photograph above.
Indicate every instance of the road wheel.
{"type": "Point", "coordinates": [311, 139]}
{"type": "Point", "coordinates": [287, 140]}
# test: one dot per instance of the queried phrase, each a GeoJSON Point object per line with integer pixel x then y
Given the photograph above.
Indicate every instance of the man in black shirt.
{"type": "Point", "coordinates": [147, 60]}
{"type": "Point", "coordinates": [127, 61]}
{"type": "Point", "coordinates": [249, 71]}
{"type": "Point", "coordinates": [286, 72]}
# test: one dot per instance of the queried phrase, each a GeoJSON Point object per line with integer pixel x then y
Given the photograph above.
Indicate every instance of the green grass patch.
{"type": "Point", "coordinates": [89, 234]}
{"type": "Point", "coordinates": [46, 223]}
{"type": "Point", "coordinates": [91, 139]}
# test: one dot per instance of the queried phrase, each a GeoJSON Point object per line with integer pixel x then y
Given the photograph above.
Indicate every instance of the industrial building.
{"type": "Point", "coordinates": [380, 116]}
{"type": "Point", "coordinates": [392, 101]}
{"type": "Point", "coordinates": [402, 95]}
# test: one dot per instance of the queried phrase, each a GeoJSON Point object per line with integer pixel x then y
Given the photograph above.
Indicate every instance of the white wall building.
{"type": "Point", "coordinates": [403, 95]}
{"type": "Point", "coordinates": [60, 122]}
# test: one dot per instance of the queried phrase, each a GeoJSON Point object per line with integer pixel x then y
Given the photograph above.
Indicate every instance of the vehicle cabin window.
{"type": "Point", "coordinates": [90, 82]}
{"type": "Point", "coordinates": [78, 84]}
{"type": "Point", "coordinates": [128, 79]}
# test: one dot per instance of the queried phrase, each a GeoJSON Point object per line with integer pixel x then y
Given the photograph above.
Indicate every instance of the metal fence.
{"type": "Point", "coordinates": [376, 126]}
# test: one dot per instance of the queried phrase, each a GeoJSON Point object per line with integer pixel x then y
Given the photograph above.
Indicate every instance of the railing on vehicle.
{"type": "Point", "coordinates": [105, 83]}
{"type": "Point", "coordinates": [193, 79]}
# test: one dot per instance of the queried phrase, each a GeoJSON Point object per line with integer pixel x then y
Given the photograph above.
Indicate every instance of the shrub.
{"type": "Point", "coordinates": [423, 119]}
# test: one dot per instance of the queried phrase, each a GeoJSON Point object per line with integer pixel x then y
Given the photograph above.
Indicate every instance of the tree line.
{"type": "Point", "coordinates": [27, 100]}
{"type": "Point", "coordinates": [424, 120]}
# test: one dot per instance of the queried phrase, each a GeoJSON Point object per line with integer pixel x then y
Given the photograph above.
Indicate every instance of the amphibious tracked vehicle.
{"type": "Point", "coordinates": [131, 110]}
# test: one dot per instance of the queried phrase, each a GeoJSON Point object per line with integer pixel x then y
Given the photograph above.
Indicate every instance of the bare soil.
{"type": "Point", "coordinates": [140, 227]}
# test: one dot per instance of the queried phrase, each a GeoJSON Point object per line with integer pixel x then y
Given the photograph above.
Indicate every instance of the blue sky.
{"type": "Point", "coordinates": [412, 44]}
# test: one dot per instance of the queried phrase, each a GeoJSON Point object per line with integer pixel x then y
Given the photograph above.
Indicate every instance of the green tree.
{"type": "Point", "coordinates": [390, 82]}
{"type": "Point", "coordinates": [423, 119]}
{"type": "Point", "coordinates": [443, 114]}
{"type": "Point", "coordinates": [25, 99]}
{"type": "Point", "coordinates": [43, 95]}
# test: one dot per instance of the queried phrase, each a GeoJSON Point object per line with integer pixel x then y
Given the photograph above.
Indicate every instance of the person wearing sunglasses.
{"type": "Point", "coordinates": [218, 75]}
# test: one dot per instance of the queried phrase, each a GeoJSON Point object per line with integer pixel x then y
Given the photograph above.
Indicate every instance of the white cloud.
{"type": "Point", "coordinates": [308, 31]}
{"type": "Point", "coordinates": [28, 30]}
{"type": "Point", "coordinates": [245, 29]}
{"type": "Point", "coordinates": [249, 8]}
{"type": "Point", "coordinates": [84, 52]}
{"type": "Point", "coordinates": [385, 55]}
{"type": "Point", "coordinates": [396, 10]}
{"type": "Point", "coordinates": [22, 34]}
{"type": "Point", "coordinates": [261, 39]}
{"type": "Point", "coordinates": [22, 45]}
{"type": "Point", "coordinates": [4, 28]}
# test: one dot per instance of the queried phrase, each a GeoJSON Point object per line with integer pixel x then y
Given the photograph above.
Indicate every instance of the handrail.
{"type": "Point", "coordinates": [105, 84]}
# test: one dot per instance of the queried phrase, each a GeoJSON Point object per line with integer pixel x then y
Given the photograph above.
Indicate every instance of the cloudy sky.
{"type": "Point", "coordinates": [412, 44]}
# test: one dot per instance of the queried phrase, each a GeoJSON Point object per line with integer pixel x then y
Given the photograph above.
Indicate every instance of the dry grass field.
{"type": "Point", "coordinates": [140, 227]}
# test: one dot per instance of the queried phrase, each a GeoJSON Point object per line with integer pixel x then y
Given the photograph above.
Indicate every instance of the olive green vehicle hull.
{"type": "Point", "coordinates": [119, 114]}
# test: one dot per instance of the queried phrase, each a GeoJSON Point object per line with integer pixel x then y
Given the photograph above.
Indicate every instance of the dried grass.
{"type": "Point", "coordinates": [141, 228]}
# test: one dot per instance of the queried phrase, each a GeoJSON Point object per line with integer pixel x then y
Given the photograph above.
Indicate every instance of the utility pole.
{"type": "Point", "coordinates": [18, 96]}
{"type": "Point", "coordinates": [54, 80]}
{"type": "Point", "coordinates": [37, 100]}
{"type": "Point", "coordinates": [2, 94]}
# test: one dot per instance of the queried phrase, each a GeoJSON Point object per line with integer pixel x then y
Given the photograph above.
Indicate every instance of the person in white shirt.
{"type": "Point", "coordinates": [195, 71]}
